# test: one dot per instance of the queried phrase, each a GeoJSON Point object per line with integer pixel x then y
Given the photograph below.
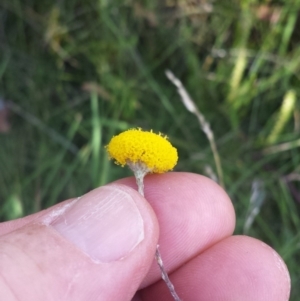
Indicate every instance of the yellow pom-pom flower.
{"type": "Point", "coordinates": [134, 146]}
{"type": "Point", "coordinates": [145, 152]}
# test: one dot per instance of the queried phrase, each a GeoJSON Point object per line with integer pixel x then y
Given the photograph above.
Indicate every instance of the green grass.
{"type": "Point", "coordinates": [75, 74]}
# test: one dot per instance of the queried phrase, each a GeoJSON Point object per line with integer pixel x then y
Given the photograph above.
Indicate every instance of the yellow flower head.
{"type": "Point", "coordinates": [137, 146]}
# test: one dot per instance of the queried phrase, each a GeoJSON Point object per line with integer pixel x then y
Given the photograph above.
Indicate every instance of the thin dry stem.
{"type": "Point", "coordinates": [191, 107]}
{"type": "Point", "coordinates": [282, 147]}
{"type": "Point", "coordinates": [140, 170]}
{"type": "Point", "coordinates": [164, 275]}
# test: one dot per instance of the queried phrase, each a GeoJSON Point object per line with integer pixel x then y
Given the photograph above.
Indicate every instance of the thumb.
{"type": "Point", "coordinates": [98, 247]}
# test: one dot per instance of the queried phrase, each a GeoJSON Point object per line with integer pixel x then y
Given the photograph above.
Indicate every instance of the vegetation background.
{"type": "Point", "coordinates": [73, 73]}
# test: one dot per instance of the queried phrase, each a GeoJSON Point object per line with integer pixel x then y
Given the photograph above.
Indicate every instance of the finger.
{"type": "Point", "coordinates": [12, 225]}
{"type": "Point", "coordinates": [96, 248]}
{"type": "Point", "coordinates": [237, 268]}
{"type": "Point", "coordinates": [193, 213]}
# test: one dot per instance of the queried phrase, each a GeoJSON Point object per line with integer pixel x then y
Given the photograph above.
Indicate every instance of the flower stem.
{"type": "Point", "coordinates": [139, 174]}
{"type": "Point", "coordinates": [164, 275]}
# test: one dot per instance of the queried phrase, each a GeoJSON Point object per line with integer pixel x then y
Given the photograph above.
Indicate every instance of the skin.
{"type": "Point", "coordinates": [189, 216]}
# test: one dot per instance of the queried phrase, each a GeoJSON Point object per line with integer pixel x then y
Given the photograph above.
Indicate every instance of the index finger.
{"type": "Point", "coordinates": [193, 212]}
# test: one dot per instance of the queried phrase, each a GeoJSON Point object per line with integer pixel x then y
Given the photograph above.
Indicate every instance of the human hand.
{"type": "Point", "coordinates": [101, 247]}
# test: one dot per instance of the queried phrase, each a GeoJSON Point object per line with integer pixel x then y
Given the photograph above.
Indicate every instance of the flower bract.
{"type": "Point", "coordinates": [136, 146]}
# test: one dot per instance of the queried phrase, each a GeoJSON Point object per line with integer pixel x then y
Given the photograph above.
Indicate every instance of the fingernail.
{"type": "Point", "coordinates": [105, 224]}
